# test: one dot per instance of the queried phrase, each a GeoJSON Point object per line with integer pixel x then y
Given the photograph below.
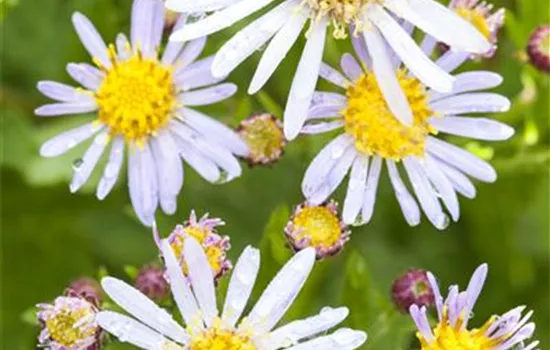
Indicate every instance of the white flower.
{"type": "Point", "coordinates": [504, 332]}
{"type": "Point", "coordinates": [372, 134]}
{"type": "Point", "coordinates": [369, 21]}
{"type": "Point", "coordinates": [153, 328]}
{"type": "Point", "coordinates": [143, 99]}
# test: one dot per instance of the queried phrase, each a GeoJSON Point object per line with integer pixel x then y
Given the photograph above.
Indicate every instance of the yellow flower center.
{"type": "Point", "coordinates": [61, 326]}
{"type": "Point", "coordinates": [341, 13]}
{"type": "Point", "coordinates": [447, 337]}
{"type": "Point", "coordinates": [477, 19]}
{"type": "Point", "coordinates": [264, 137]}
{"type": "Point", "coordinates": [136, 98]}
{"type": "Point", "coordinates": [319, 224]}
{"type": "Point", "coordinates": [216, 338]}
{"type": "Point", "coordinates": [214, 253]}
{"type": "Point", "coordinates": [374, 127]}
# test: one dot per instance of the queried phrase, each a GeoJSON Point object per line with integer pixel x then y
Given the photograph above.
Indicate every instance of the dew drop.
{"type": "Point", "coordinates": [77, 164]}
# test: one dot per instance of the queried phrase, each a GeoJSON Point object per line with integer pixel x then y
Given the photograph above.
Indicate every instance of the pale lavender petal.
{"type": "Point", "coordinates": [442, 185]}
{"type": "Point", "coordinates": [451, 60]}
{"type": "Point", "coordinates": [342, 338]}
{"type": "Point", "coordinates": [460, 182]}
{"type": "Point", "coordinates": [470, 81]}
{"type": "Point", "coordinates": [173, 48]}
{"type": "Point", "coordinates": [69, 139]}
{"type": "Point", "coordinates": [190, 53]}
{"type": "Point", "coordinates": [142, 183]}
{"type": "Point", "coordinates": [123, 47]}
{"type": "Point", "coordinates": [208, 95]}
{"type": "Point", "coordinates": [406, 201]}
{"type": "Point", "coordinates": [64, 108]}
{"type": "Point", "coordinates": [476, 102]}
{"type": "Point", "coordinates": [350, 67]}
{"type": "Point", "coordinates": [356, 189]}
{"type": "Point", "coordinates": [82, 172]}
{"type": "Point", "coordinates": [332, 75]}
{"type": "Point", "coordinates": [169, 170]}
{"type": "Point", "coordinates": [86, 75]}
{"type": "Point", "coordinates": [91, 39]}
{"type": "Point", "coordinates": [419, 317]}
{"type": "Point", "coordinates": [361, 51]}
{"type": "Point", "coordinates": [112, 169]}
{"type": "Point", "coordinates": [322, 127]}
{"type": "Point", "coordinates": [477, 128]}
{"type": "Point", "coordinates": [198, 6]}
{"type": "Point", "coordinates": [474, 289]}
{"type": "Point", "coordinates": [372, 187]}
{"type": "Point", "coordinates": [202, 164]}
{"type": "Point", "coordinates": [428, 44]}
{"type": "Point", "coordinates": [196, 75]}
{"type": "Point", "coordinates": [64, 93]}
{"type": "Point", "coordinates": [437, 295]}
{"type": "Point", "coordinates": [144, 13]}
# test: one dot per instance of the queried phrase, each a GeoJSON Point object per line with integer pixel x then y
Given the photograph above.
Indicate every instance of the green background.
{"type": "Point", "coordinates": [50, 236]}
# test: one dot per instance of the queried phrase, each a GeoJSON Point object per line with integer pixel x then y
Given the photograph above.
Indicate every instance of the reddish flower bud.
{"type": "Point", "coordinates": [412, 288]}
{"type": "Point", "coordinates": [151, 282]}
{"type": "Point", "coordinates": [538, 48]}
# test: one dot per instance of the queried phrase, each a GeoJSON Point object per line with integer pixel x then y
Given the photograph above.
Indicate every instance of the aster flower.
{"type": "Point", "coordinates": [263, 133]}
{"type": "Point", "coordinates": [69, 324]}
{"type": "Point", "coordinates": [142, 102]}
{"type": "Point", "coordinates": [507, 331]}
{"type": "Point", "coordinates": [368, 21]}
{"type": "Point", "coordinates": [317, 226]}
{"type": "Point", "coordinates": [204, 231]}
{"type": "Point", "coordinates": [153, 328]}
{"type": "Point", "coordinates": [373, 135]}
{"type": "Point", "coordinates": [481, 15]}
{"type": "Point", "coordinates": [412, 288]}
{"type": "Point", "coordinates": [538, 48]}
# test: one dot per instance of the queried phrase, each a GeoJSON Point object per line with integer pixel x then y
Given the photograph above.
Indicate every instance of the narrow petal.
{"type": "Point", "coordinates": [428, 44]}
{"type": "Point", "coordinates": [112, 169]}
{"type": "Point", "coordinates": [240, 286]}
{"type": "Point", "coordinates": [91, 39]}
{"type": "Point", "coordinates": [406, 201]}
{"type": "Point", "coordinates": [169, 170]}
{"type": "Point", "coordinates": [421, 321]}
{"type": "Point", "coordinates": [386, 77]}
{"type": "Point", "coordinates": [190, 53]}
{"type": "Point", "coordinates": [65, 108]}
{"type": "Point", "coordinates": [437, 295]}
{"type": "Point", "coordinates": [356, 189]}
{"type": "Point", "coordinates": [451, 60]}
{"type": "Point", "coordinates": [144, 17]}
{"type": "Point", "coordinates": [318, 128]}
{"type": "Point", "coordinates": [406, 48]}
{"type": "Point", "coordinates": [202, 279]}
{"type": "Point", "coordinates": [173, 48]}
{"type": "Point", "coordinates": [67, 140]}
{"type": "Point", "coordinates": [181, 291]}
{"type": "Point", "coordinates": [470, 81]}
{"type": "Point", "coordinates": [62, 92]}
{"type": "Point", "coordinates": [461, 159]}
{"type": "Point", "coordinates": [295, 331]}
{"type": "Point", "coordinates": [476, 102]}
{"type": "Point", "coordinates": [281, 291]}
{"type": "Point", "coordinates": [208, 95]}
{"type": "Point", "coordinates": [332, 75]}
{"type": "Point", "coordinates": [201, 163]}
{"type": "Point", "coordinates": [198, 6]}
{"type": "Point", "coordinates": [372, 187]}
{"type": "Point", "coordinates": [474, 289]}
{"type": "Point", "coordinates": [219, 20]}
{"type": "Point", "coordinates": [249, 39]}
{"type": "Point", "coordinates": [361, 51]}
{"type": "Point", "coordinates": [277, 49]}
{"type": "Point", "coordinates": [350, 67]}
{"type": "Point", "coordinates": [476, 128]}
{"type": "Point", "coordinates": [142, 183]}
{"type": "Point", "coordinates": [343, 338]}
{"type": "Point", "coordinates": [442, 185]}
{"type": "Point", "coordinates": [130, 331]}
{"type": "Point", "coordinates": [123, 47]}
{"type": "Point", "coordinates": [196, 75]}
{"type": "Point", "coordinates": [82, 172]}
{"type": "Point", "coordinates": [304, 81]}
{"type": "Point", "coordinates": [142, 308]}
{"type": "Point", "coordinates": [86, 75]}
{"type": "Point", "coordinates": [460, 182]}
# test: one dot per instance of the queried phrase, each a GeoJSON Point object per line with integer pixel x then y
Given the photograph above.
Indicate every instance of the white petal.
{"type": "Point", "coordinates": [428, 44]}
{"type": "Point", "coordinates": [460, 182]}
{"type": "Point", "coordinates": [361, 51]}
{"type": "Point", "coordinates": [405, 47]}
{"type": "Point", "coordinates": [249, 39]}
{"type": "Point", "coordinates": [201, 163]}
{"type": "Point", "coordinates": [304, 81]}
{"type": "Point", "coordinates": [144, 20]}
{"type": "Point", "coordinates": [173, 48]}
{"type": "Point", "coordinates": [356, 189]}
{"type": "Point", "coordinates": [293, 332]}
{"type": "Point", "coordinates": [281, 291]}
{"type": "Point", "coordinates": [181, 291]}
{"type": "Point", "coordinates": [425, 193]}
{"type": "Point", "coordinates": [208, 95]}
{"type": "Point", "coordinates": [240, 286]}
{"type": "Point", "coordinates": [442, 185]}
{"type": "Point", "coordinates": [451, 60]}
{"type": "Point", "coordinates": [332, 75]}
{"type": "Point", "coordinates": [198, 6]}
{"type": "Point", "coordinates": [190, 52]}
{"type": "Point", "coordinates": [477, 128]}
{"type": "Point", "coordinates": [219, 20]}
{"type": "Point", "coordinates": [196, 75]}
{"type": "Point", "coordinates": [86, 75]}
{"type": "Point", "coordinates": [112, 169]}
{"type": "Point", "coordinates": [476, 102]}
{"type": "Point", "coordinates": [470, 81]}
{"type": "Point", "coordinates": [91, 39]}
{"type": "Point", "coordinates": [350, 67]}
{"type": "Point", "coordinates": [372, 187]}
{"type": "Point", "coordinates": [62, 92]}
{"type": "Point", "coordinates": [406, 201]}
{"type": "Point", "coordinates": [82, 172]}
{"type": "Point", "coordinates": [461, 159]}
{"type": "Point", "coordinates": [142, 183]}
{"type": "Point", "coordinates": [67, 140]}
{"type": "Point", "coordinates": [142, 308]}
{"type": "Point", "coordinates": [214, 130]}
{"type": "Point", "coordinates": [130, 331]}
{"type": "Point", "coordinates": [343, 338]}
{"type": "Point", "coordinates": [169, 170]}
{"type": "Point", "coordinates": [277, 49]}
{"type": "Point", "coordinates": [123, 47]}
{"type": "Point", "coordinates": [386, 77]}
{"type": "Point", "coordinates": [65, 108]}
{"type": "Point", "coordinates": [318, 128]}
{"type": "Point", "coordinates": [202, 279]}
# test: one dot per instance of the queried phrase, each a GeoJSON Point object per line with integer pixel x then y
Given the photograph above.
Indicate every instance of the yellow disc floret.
{"type": "Point", "coordinates": [136, 98]}
{"type": "Point", "coordinates": [342, 13]}
{"type": "Point", "coordinates": [319, 224]}
{"type": "Point", "coordinates": [374, 127]}
{"type": "Point", "coordinates": [66, 326]}
{"type": "Point", "coordinates": [477, 19]}
{"type": "Point", "coordinates": [214, 253]}
{"type": "Point", "coordinates": [217, 338]}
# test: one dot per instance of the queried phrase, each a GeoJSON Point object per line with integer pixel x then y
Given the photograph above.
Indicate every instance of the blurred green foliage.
{"type": "Point", "coordinates": [49, 236]}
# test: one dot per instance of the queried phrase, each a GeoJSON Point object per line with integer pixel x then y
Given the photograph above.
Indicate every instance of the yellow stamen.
{"type": "Point", "coordinates": [341, 13]}
{"type": "Point", "coordinates": [217, 338]}
{"type": "Point", "coordinates": [319, 224]}
{"type": "Point", "coordinates": [136, 98]}
{"type": "Point", "coordinates": [374, 127]}
{"type": "Point", "coordinates": [61, 326]}
{"type": "Point", "coordinates": [214, 252]}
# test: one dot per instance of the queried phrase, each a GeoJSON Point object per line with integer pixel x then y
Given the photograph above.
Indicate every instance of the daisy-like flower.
{"type": "Point", "coordinates": [204, 231]}
{"type": "Point", "coordinates": [507, 331]}
{"type": "Point", "coordinates": [69, 323]}
{"type": "Point", "coordinates": [263, 133]}
{"type": "Point", "coordinates": [368, 21]}
{"type": "Point", "coordinates": [481, 16]}
{"type": "Point", "coordinates": [373, 135]}
{"type": "Point", "coordinates": [207, 328]}
{"type": "Point", "coordinates": [317, 226]}
{"type": "Point", "coordinates": [143, 102]}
